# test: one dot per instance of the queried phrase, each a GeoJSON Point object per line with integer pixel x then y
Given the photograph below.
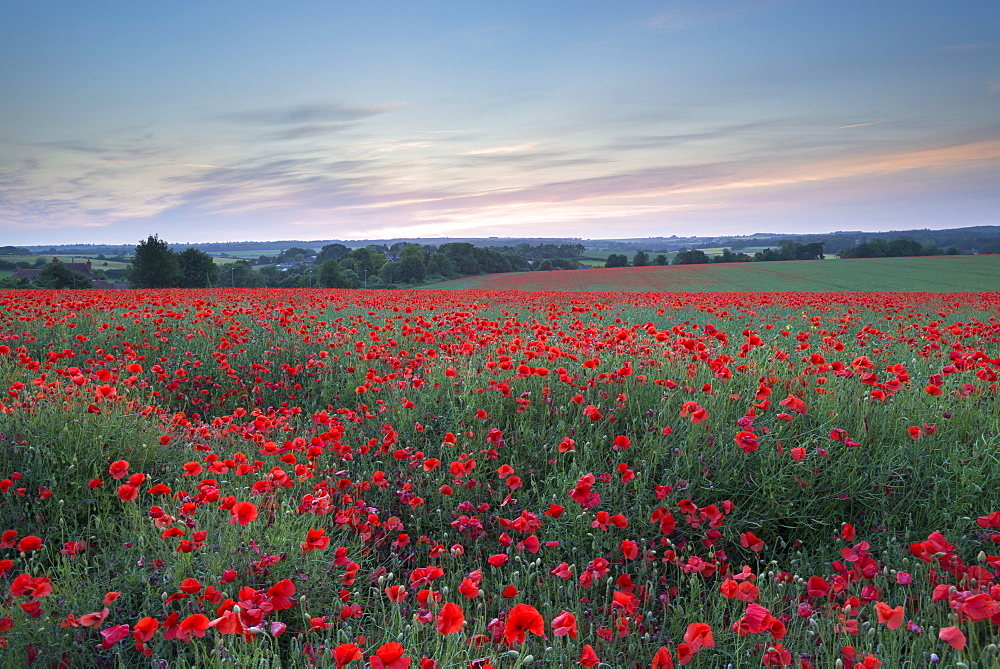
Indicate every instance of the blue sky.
{"type": "Point", "coordinates": [226, 121]}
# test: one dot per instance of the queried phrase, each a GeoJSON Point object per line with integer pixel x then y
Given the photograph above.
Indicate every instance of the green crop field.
{"type": "Point", "coordinates": [923, 274]}
{"type": "Point", "coordinates": [95, 262]}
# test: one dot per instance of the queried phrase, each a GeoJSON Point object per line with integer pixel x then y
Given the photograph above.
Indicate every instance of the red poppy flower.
{"type": "Point", "coordinates": [953, 636]}
{"type": "Point", "coordinates": [113, 635]}
{"type": "Point", "coordinates": [145, 629]}
{"type": "Point", "coordinates": [281, 594]}
{"type": "Point", "coordinates": [396, 593]}
{"type": "Point", "coordinates": [29, 543]}
{"type": "Point", "coordinates": [450, 619]}
{"type": "Point", "coordinates": [195, 624]}
{"type": "Point", "coordinates": [777, 656]}
{"type": "Point", "coordinates": [522, 619]}
{"type": "Point", "coordinates": [315, 539]}
{"type": "Point", "coordinates": [663, 659]}
{"type": "Point", "coordinates": [190, 586]}
{"type": "Point", "coordinates": [588, 657]}
{"type": "Point", "coordinates": [118, 469]}
{"type": "Point", "coordinates": [750, 540]}
{"type": "Point", "coordinates": [699, 635]}
{"type": "Point", "coordinates": [564, 624]}
{"type": "Point", "coordinates": [244, 513]}
{"type": "Point", "coordinates": [892, 617]}
{"type": "Point", "coordinates": [630, 549]}
{"type": "Point", "coordinates": [346, 653]}
{"type": "Point", "coordinates": [94, 619]}
{"type": "Point", "coordinates": [390, 656]}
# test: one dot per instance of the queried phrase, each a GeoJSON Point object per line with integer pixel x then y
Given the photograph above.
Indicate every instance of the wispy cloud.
{"type": "Point", "coordinates": [312, 130]}
{"type": "Point", "coordinates": [859, 125]}
{"type": "Point", "coordinates": [493, 150]}
{"type": "Point", "coordinates": [315, 112]}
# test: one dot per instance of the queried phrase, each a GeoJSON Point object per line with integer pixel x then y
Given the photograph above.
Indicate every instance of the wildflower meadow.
{"type": "Point", "coordinates": [265, 478]}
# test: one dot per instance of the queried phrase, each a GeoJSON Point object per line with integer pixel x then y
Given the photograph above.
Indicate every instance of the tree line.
{"type": "Point", "coordinates": [897, 248]}
{"type": "Point", "coordinates": [156, 265]}
{"type": "Point", "coordinates": [788, 250]}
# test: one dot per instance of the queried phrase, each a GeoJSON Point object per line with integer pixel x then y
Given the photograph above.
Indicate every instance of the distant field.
{"type": "Point", "coordinates": [95, 262]}
{"type": "Point", "coordinates": [102, 264]}
{"type": "Point", "coordinates": [926, 274]}
{"type": "Point", "coordinates": [248, 255]}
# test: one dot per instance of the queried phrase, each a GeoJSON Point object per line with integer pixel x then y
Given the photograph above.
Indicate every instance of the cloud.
{"type": "Point", "coordinates": [514, 148]}
{"type": "Point", "coordinates": [691, 191]}
{"type": "Point", "coordinates": [859, 125]}
{"type": "Point", "coordinates": [316, 112]}
{"type": "Point", "coordinates": [642, 142]}
{"type": "Point", "coordinates": [312, 130]}
{"type": "Point", "coordinates": [73, 145]}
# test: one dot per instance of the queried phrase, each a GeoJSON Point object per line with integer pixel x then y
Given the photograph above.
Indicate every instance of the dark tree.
{"type": "Point", "coordinates": [640, 259]}
{"type": "Point", "coordinates": [332, 252]}
{"type": "Point", "coordinates": [692, 257]}
{"type": "Point", "coordinates": [57, 275]}
{"type": "Point", "coordinates": [616, 260]}
{"type": "Point", "coordinates": [197, 269]}
{"type": "Point", "coordinates": [154, 265]}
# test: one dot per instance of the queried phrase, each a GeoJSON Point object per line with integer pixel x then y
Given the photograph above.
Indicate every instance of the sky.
{"type": "Point", "coordinates": [247, 120]}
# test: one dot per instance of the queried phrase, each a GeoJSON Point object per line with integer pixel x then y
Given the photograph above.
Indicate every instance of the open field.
{"type": "Point", "coordinates": [247, 255]}
{"type": "Point", "coordinates": [318, 477]}
{"type": "Point", "coordinates": [925, 274]}
{"type": "Point", "coordinates": [95, 262]}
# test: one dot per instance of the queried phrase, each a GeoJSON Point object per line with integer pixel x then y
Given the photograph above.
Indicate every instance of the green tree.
{"type": "Point", "coordinates": [332, 252]}
{"type": "Point", "coordinates": [441, 265]}
{"type": "Point", "coordinates": [616, 260]}
{"type": "Point", "coordinates": [197, 269]}
{"type": "Point", "coordinates": [412, 264]}
{"type": "Point", "coordinates": [330, 275]}
{"type": "Point", "coordinates": [57, 275]}
{"type": "Point", "coordinates": [154, 265]}
{"type": "Point", "coordinates": [692, 257]}
{"type": "Point", "coordinates": [640, 259]}
{"type": "Point", "coordinates": [295, 254]}
{"type": "Point", "coordinates": [365, 262]}
{"type": "Point", "coordinates": [240, 274]}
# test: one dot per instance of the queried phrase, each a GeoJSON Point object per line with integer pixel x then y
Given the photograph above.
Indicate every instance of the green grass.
{"type": "Point", "coordinates": [922, 274]}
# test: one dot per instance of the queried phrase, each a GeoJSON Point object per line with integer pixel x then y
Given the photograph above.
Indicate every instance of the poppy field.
{"type": "Point", "coordinates": [499, 479]}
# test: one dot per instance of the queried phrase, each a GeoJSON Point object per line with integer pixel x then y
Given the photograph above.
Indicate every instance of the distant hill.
{"type": "Point", "coordinates": [976, 239]}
